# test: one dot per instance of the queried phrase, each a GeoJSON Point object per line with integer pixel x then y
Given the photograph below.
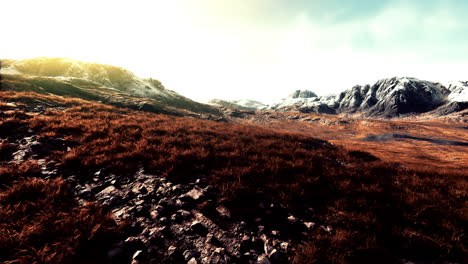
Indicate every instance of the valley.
{"type": "Point", "coordinates": [417, 141]}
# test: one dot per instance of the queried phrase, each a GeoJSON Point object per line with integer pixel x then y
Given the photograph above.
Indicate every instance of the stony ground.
{"type": "Point", "coordinates": [177, 223]}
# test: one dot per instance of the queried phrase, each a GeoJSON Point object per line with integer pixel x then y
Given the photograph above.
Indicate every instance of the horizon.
{"type": "Point", "coordinates": [259, 50]}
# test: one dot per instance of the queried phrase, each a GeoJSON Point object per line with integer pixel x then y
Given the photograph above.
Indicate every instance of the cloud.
{"type": "Point", "coordinates": [259, 49]}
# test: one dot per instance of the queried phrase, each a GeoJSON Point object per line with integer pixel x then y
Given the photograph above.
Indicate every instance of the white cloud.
{"type": "Point", "coordinates": [225, 51]}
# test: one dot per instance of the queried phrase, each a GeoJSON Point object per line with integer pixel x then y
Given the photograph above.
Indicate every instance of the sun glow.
{"type": "Point", "coordinates": [230, 49]}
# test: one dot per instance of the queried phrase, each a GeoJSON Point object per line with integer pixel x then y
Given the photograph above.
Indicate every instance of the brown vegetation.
{"type": "Point", "coordinates": [379, 211]}
{"type": "Point", "coordinates": [40, 221]}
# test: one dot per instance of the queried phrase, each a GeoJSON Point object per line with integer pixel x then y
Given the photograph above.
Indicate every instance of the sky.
{"type": "Point", "coordinates": [247, 49]}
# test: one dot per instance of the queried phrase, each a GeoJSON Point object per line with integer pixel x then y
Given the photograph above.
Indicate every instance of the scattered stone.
{"type": "Point", "coordinates": [173, 252]}
{"type": "Point", "coordinates": [159, 208]}
{"type": "Point", "coordinates": [309, 225]}
{"type": "Point", "coordinates": [198, 228]}
{"type": "Point", "coordinates": [292, 219]}
{"type": "Point", "coordinates": [106, 191]}
{"type": "Point", "coordinates": [219, 251]}
{"type": "Point", "coordinates": [133, 243]}
{"type": "Point", "coordinates": [183, 213]}
{"type": "Point", "coordinates": [164, 221]}
{"type": "Point", "coordinates": [192, 261]}
{"type": "Point", "coordinates": [327, 229]}
{"type": "Point", "coordinates": [154, 214]}
{"type": "Point", "coordinates": [212, 240]}
{"type": "Point", "coordinates": [258, 244]}
{"type": "Point", "coordinates": [261, 229]}
{"type": "Point", "coordinates": [223, 212]}
{"type": "Point", "coordinates": [275, 233]}
{"type": "Point", "coordinates": [138, 255]}
{"type": "Point", "coordinates": [176, 218]}
{"type": "Point", "coordinates": [273, 255]}
{"type": "Point", "coordinates": [245, 244]}
{"type": "Point", "coordinates": [189, 254]}
{"type": "Point", "coordinates": [262, 259]}
{"type": "Point", "coordinates": [196, 193]}
{"type": "Point", "coordinates": [284, 246]}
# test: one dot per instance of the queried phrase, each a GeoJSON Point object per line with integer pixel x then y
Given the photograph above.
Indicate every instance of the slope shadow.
{"type": "Point", "coordinates": [390, 136]}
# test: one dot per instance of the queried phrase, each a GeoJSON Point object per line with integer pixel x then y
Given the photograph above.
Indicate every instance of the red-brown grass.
{"type": "Point", "coordinates": [40, 222]}
{"type": "Point", "coordinates": [379, 211]}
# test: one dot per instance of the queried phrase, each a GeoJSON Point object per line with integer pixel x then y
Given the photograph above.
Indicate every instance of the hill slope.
{"type": "Point", "coordinates": [214, 192]}
{"type": "Point", "coordinates": [91, 81]}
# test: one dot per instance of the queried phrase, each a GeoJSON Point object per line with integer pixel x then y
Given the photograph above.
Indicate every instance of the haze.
{"type": "Point", "coordinates": [235, 49]}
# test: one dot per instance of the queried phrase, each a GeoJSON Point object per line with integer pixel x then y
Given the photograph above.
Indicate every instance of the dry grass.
{"type": "Point", "coordinates": [40, 221]}
{"type": "Point", "coordinates": [379, 211]}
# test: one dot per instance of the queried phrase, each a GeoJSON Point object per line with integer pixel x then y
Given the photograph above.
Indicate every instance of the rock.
{"type": "Point", "coordinates": [327, 229]}
{"type": "Point", "coordinates": [261, 229]}
{"type": "Point", "coordinates": [212, 240]}
{"type": "Point", "coordinates": [142, 189]}
{"type": "Point", "coordinates": [292, 219]}
{"type": "Point", "coordinates": [284, 246]}
{"type": "Point", "coordinates": [183, 213]}
{"type": "Point", "coordinates": [258, 244]}
{"type": "Point", "coordinates": [246, 258]}
{"type": "Point", "coordinates": [173, 252]}
{"type": "Point", "coordinates": [138, 255]}
{"type": "Point", "coordinates": [106, 191]}
{"type": "Point", "coordinates": [242, 226]}
{"type": "Point", "coordinates": [219, 251]}
{"type": "Point", "coordinates": [268, 248]}
{"type": "Point", "coordinates": [275, 233]}
{"type": "Point", "coordinates": [274, 255]}
{"type": "Point", "coordinates": [159, 208]}
{"type": "Point", "coordinates": [154, 214]}
{"type": "Point", "coordinates": [263, 260]}
{"type": "Point", "coordinates": [201, 182]}
{"type": "Point", "coordinates": [309, 225]}
{"type": "Point", "coordinates": [198, 228]}
{"type": "Point", "coordinates": [192, 261]}
{"type": "Point", "coordinates": [206, 260]}
{"type": "Point", "coordinates": [176, 218]}
{"type": "Point", "coordinates": [189, 254]}
{"type": "Point", "coordinates": [223, 212]}
{"type": "Point", "coordinates": [133, 243]}
{"type": "Point", "coordinates": [245, 244]}
{"type": "Point", "coordinates": [196, 193]}
{"type": "Point", "coordinates": [179, 204]}
{"type": "Point", "coordinates": [164, 221]}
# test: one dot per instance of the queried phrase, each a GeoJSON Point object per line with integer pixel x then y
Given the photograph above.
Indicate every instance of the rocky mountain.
{"type": "Point", "coordinates": [390, 97]}
{"type": "Point", "coordinates": [92, 81]}
{"type": "Point", "coordinates": [244, 104]}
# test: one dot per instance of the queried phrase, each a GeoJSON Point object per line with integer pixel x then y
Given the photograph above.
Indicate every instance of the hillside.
{"type": "Point", "coordinates": [91, 81]}
{"type": "Point", "coordinates": [114, 185]}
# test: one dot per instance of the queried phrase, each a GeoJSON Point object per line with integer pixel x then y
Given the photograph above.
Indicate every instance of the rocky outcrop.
{"type": "Point", "coordinates": [392, 97]}
{"type": "Point", "coordinates": [185, 223]}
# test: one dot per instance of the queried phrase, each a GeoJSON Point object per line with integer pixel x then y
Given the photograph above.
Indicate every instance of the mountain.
{"type": "Point", "coordinates": [390, 97]}
{"type": "Point", "coordinates": [301, 99]}
{"type": "Point", "coordinates": [92, 81]}
{"type": "Point", "coordinates": [243, 104]}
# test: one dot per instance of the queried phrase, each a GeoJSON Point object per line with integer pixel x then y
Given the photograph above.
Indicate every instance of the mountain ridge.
{"type": "Point", "coordinates": [388, 98]}
{"type": "Point", "coordinates": [94, 81]}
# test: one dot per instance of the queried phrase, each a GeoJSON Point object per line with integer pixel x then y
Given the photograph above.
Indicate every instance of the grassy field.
{"type": "Point", "coordinates": [381, 211]}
